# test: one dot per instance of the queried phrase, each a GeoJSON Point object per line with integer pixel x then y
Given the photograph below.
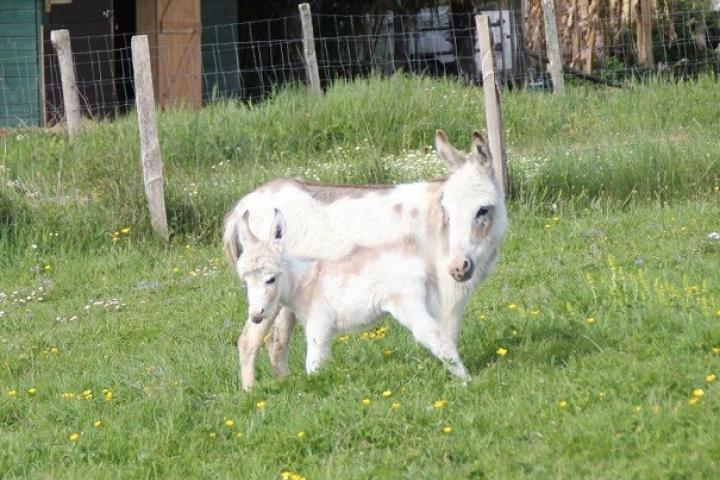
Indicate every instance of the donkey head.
{"type": "Point", "coordinates": [473, 204]}
{"type": "Point", "coordinates": [260, 267]}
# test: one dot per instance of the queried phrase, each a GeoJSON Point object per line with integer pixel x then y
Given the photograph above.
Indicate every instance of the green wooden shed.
{"type": "Point", "coordinates": [20, 72]}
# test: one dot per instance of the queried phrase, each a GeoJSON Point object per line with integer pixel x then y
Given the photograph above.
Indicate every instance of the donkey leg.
{"type": "Point", "coordinates": [278, 341]}
{"type": "Point", "coordinates": [248, 343]}
{"type": "Point", "coordinates": [454, 301]}
{"type": "Point", "coordinates": [318, 336]}
{"type": "Point", "coordinates": [427, 332]}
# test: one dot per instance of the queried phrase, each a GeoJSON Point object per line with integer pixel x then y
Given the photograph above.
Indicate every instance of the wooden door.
{"type": "Point", "coordinates": [91, 38]}
{"type": "Point", "coordinates": [179, 58]}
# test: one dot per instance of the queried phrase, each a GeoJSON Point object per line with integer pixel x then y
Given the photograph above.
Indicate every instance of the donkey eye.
{"type": "Point", "coordinates": [481, 212]}
{"type": "Point", "coordinates": [270, 281]}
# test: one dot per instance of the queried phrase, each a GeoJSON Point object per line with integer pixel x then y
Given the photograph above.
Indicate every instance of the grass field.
{"type": "Point", "coordinates": [594, 348]}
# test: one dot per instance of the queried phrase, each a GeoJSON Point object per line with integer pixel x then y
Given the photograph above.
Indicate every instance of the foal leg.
{"type": "Point", "coordinates": [427, 332]}
{"type": "Point", "coordinates": [278, 341]}
{"type": "Point", "coordinates": [250, 340]}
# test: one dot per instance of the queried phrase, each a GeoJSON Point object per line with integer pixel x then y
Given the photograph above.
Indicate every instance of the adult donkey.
{"type": "Point", "coordinates": [458, 222]}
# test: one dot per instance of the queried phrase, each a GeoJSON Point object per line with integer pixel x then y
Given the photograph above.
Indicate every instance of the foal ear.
{"type": "Point", "coordinates": [246, 235]}
{"type": "Point", "coordinates": [450, 154]}
{"type": "Point", "coordinates": [277, 232]}
{"type": "Point", "coordinates": [479, 150]}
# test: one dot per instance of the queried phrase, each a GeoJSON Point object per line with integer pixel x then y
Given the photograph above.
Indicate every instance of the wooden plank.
{"type": "Point", "coordinates": [26, 16]}
{"type": "Point", "coordinates": [151, 158]}
{"type": "Point", "coordinates": [146, 13]}
{"type": "Point", "coordinates": [12, 5]}
{"type": "Point", "coordinates": [18, 95]}
{"type": "Point", "coordinates": [493, 113]}
{"type": "Point", "coordinates": [179, 58]}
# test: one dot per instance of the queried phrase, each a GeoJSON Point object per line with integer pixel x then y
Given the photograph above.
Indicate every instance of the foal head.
{"type": "Point", "coordinates": [260, 267]}
{"type": "Point", "coordinates": [473, 204]}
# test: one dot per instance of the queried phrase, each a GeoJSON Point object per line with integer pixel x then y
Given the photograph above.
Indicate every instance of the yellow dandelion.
{"type": "Point", "coordinates": [447, 429]}
{"type": "Point", "coordinates": [563, 403]}
{"type": "Point", "coordinates": [301, 434]}
{"type": "Point", "coordinates": [512, 306]}
{"type": "Point", "coordinates": [366, 401]}
{"type": "Point", "coordinates": [716, 349]}
{"type": "Point", "coordinates": [125, 230]}
{"type": "Point", "coordinates": [388, 352]}
{"type": "Point", "coordinates": [54, 350]}
{"type": "Point", "coordinates": [638, 408]}
{"type": "Point", "coordinates": [212, 434]}
{"type": "Point", "coordinates": [32, 391]}
{"type": "Point", "coordinates": [439, 403]}
{"type": "Point", "coordinates": [229, 422]}
{"type": "Point", "coordinates": [501, 351]}
{"type": "Point", "coordinates": [86, 394]}
{"type": "Point", "coordinates": [47, 268]}
{"type": "Point", "coordinates": [97, 423]}
{"type": "Point", "coordinates": [590, 320]}
{"type": "Point", "coordinates": [698, 392]}
{"type": "Point", "coordinates": [175, 269]}
{"type": "Point", "coordinates": [694, 400]}
{"type": "Point", "coordinates": [386, 393]}
{"type": "Point", "coordinates": [395, 406]}
{"type": "Point", "coordinates": [107, 394]}
{"type": "Point", "coordinates": [238, 434]}
{"type": "Point", "coordinates": [260, 405]}
{"type": "Point", "coordinates": [12, 393]}
{"type": "Point", "coordinates": [344, 338]}
{"type": "Point", "coordinates": [710, 378]}
{"type": "Point", "coordinates": [67, 396]}
{"type": "Point", "coordinates": [74, 437]}
{"type": "Point", "coordinates": [534, 312]}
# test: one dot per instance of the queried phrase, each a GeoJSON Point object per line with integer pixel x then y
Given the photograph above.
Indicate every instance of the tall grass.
{"type": "Point", "coordinates": [651, 142]}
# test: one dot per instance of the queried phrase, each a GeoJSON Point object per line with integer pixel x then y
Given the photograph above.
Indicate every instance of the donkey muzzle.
{"type": "Point", "coordinates": [461, 270]}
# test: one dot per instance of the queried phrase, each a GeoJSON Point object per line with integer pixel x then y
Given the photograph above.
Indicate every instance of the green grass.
{"type": "Point", "coordinates": [613, 200]}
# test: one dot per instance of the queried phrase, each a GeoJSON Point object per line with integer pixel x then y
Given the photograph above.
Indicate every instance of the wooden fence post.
{"type": "Point", "coordinates": [553, 46]}
{"type": "Point", "coordinates": [149, 145]}
{"type": "Point", "coordinates": [71, 101]}
{"type": "Point", "coordinates": [493, 114]}
{"type": "Point", "coordinates": [644, 34]}
{"type": "Point", "coordinates": [311, 65]}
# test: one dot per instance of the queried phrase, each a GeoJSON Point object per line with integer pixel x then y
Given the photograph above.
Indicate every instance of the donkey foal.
{"type": "Point", "coordinates": [345, 295]}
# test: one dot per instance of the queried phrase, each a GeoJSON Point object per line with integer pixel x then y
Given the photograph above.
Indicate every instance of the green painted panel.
{"type": "Point", "coordinates": [17, 16]}
{"type": "Point", "coordinates": [219, 48]}
{"type": "Point", "coordinates": [22, 30]}
{"type": "Point", "coordinates": [19, 63]}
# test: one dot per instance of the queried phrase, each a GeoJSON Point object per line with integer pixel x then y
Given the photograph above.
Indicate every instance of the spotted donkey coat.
{"type": "Point", "coordinates": [457, 224]}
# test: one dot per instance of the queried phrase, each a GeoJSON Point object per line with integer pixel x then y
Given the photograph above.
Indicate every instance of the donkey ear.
{"type": "Point", "coordinates": [233, 248]}
{"type": "Point", "coordinates": [277, 232]}
{"type": "Point", "coordinates": [450, 154]}
{"type": "Point", "coordinates": [479, 150]}
{"type": "Point", "coordinates": [246, 235]}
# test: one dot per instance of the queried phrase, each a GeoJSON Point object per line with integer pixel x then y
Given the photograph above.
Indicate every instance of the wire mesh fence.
{"type": "Point", "coordinates": [250, 60]}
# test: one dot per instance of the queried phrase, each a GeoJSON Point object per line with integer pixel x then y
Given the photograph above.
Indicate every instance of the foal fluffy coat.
{"type": "Point", "coordinates": [332, 297]}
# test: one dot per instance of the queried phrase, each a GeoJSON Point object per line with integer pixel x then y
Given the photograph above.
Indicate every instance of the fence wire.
{"type": "Point", "coordinates": [250, 60]}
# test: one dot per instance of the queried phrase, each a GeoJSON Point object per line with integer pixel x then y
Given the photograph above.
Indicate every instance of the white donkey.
{"type": "Point", "coordinates": [331, 297]}
{"type": "Point", "coordinates": [456, 222]}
